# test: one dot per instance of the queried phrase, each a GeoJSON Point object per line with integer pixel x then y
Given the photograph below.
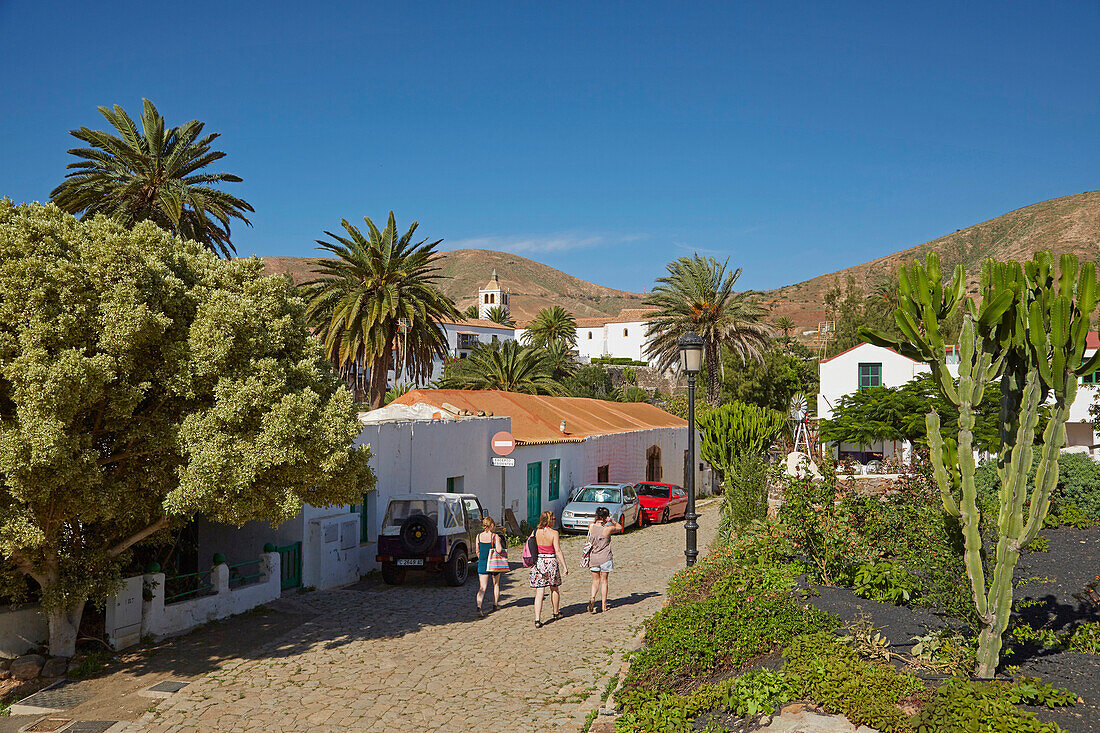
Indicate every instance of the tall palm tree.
{"type": "Point", "coordinates": [376, 304]}
{"type": "Point", "coordinates": [784, 324]}
{"type": "Point", "coordinates": [497, 314]}
{"type": "Point", "coordinates": [155, 174]}
{"type": "Point", "coordinates": [697, 295]}
{"type": "Point", "coordinates": [552, 325]}
{"type": "Point", "coordinates": [470, 312]}
{"type": "Point", "coordinates": [508, 366]}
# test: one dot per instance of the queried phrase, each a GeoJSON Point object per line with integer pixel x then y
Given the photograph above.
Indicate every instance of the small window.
{"type": "Point", "coordinates": [492, 298]}
{"type": "Point", "coordinates": [625, 332]}
{"type": "Point", "coordinates": [870, 375]}
{"type": "Point", "coordinates": [555, 478]}
{"type": "Point", "coordinates": [589, 335]}
{"type": "Point", "coordinates": [486, 297]}
{"type": "Point", "coordinates": [1093, 378]}
{"type": "Point", "coordinates": [601, 475]}
{"type": "Point", "coordinates": [452, 514]}
{"type": "Point", "coordinates": [455, 484]}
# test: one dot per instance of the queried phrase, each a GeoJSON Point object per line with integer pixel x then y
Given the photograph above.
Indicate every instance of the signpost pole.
{"type": "Point", "coordinates": [502, 500]}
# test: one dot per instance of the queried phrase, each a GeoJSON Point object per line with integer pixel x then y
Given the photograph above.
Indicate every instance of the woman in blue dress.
{"type": "Point", "coordinates": [486, 541]}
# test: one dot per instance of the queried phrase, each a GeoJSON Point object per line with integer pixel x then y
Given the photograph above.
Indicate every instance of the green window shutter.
{"type": "Point", "coordinates": [870, 375]}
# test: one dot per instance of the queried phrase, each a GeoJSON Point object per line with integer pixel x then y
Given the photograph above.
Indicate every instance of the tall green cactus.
{"type": "Point", "coordinates": [737, 428]}
{"type": "Point", "coordinates": [1030, 334]}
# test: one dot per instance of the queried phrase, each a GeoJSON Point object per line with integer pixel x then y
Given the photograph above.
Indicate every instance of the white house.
{"type": "Point", "coordinates": [867, 365]}
{"type": "Point", "coordinates": [622, 336]}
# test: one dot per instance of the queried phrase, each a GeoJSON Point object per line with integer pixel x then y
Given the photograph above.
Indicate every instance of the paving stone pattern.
{"type": "Point", "coordinates": [417, 658]}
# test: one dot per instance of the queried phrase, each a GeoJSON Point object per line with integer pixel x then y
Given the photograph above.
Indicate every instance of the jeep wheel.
{"type": "Point", "coordinates": [457, 568]}
{"type": "Point", "coordinates": [392, 575]}
{"type": "Point", "coordinates": [418, 534]}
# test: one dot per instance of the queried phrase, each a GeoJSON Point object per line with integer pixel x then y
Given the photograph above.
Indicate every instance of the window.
{"type": "Point", "coordinates": [625, 332]}
{"type": "Point", "coordinates": [467, 340]}
{"type": "Point", "coordinates": [492, 298]}
{"type": "Point", "coordinates": [486, 297]}
{"type": "Point", "coordinates": [555, 478]}
{"type": "Point", "coordinates": [452, 513]}
{"type": "Point", "coordinates": [870, 375]}
{"type": "Point", "coordinates": [601, 475]}
{"type": "Point", "coordinates": [455, 484]}
{"type": "Point", "coordinates": [589, 335]}
{"type": "Point", "coordinates": [1093, 378]}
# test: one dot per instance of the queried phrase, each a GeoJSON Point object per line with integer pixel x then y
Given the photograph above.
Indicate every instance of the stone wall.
{"type": "Point", "coordinates": [648, 378]}
{"type": "Point", "coordinates": [871, 485]}
{"type": "Point", "coordinates": [22, 628]}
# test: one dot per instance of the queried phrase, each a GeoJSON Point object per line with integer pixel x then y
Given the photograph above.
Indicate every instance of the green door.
{"type": "Point", "coordinates": [534, 493]}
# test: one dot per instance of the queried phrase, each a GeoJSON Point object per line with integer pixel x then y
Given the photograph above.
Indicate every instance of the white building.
{"type": "Point", "coordinates": [867, 365]}
{"type": "Point", "coordinates": [622, 336]}
{"type": "Point", "coordinates": [491, 296]}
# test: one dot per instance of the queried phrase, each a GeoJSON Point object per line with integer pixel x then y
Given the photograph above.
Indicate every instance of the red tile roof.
{"type": "Point", "coordinates": [480, 323]}
{"type": "Point", "coordinates": [536, 418]}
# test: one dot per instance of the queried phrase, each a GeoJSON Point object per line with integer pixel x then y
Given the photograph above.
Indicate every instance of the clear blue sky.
{"type": "Point", "coordinates": [603, 138]}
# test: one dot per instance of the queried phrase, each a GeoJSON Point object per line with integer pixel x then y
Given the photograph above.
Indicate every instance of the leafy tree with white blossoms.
{"type": "Point", "coordinates": [144, 381]}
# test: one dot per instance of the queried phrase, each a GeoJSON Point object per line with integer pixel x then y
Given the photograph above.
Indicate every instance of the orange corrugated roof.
{"type": "Point", "coordinates": [536, 418]}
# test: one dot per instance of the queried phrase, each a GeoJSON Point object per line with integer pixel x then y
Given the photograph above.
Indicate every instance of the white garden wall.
{"type": "Point", "coordinates": [21, 629]}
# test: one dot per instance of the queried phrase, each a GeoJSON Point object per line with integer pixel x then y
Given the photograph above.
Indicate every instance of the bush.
{"type": "Point", "coordinates": [746, 495]}
{"type": "Point", "coordinates": [1078, 484]}
{"type": "Point", "coordinates": [986, 707]}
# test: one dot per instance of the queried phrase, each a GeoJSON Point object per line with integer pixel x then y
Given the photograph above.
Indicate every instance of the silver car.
{"type": "Point", "coordinates": [619, 499]}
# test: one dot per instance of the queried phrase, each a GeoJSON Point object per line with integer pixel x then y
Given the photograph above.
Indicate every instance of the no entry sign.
{"type": "Point", "coordinates": [503, 443]}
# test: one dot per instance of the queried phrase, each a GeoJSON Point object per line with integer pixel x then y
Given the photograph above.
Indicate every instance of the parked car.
{"type": "Point", "coordinates": [619, 499]}
{"type": "Point", "coordinates": [661, 502]}
{"type": "Point", "coordinates": [434, 532]}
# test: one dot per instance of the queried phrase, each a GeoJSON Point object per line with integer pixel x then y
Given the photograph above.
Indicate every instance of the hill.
{"type": "Point", "coordinates": [1067, 224]}
{"type": "Point", "coordinates": [533, 285]}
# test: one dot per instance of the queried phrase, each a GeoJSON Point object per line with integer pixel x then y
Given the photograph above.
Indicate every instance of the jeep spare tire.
{"type": "Point", "coordinates": [418, 534]}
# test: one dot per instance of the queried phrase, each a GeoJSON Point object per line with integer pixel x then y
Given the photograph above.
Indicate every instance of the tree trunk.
{"type": "Point", "coordinates": [63, 628]}
{"type": "Point", "coordinates": [378, 378]}
{"type": "Point", "coordinates": [711, 362]}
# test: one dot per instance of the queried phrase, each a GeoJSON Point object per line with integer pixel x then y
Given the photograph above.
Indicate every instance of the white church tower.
{"type": "Point", "coordinates": [491, 296]}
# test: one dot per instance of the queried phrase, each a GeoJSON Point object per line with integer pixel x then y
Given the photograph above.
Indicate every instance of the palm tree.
{"type": "Point", "coordinates": [378, 300]}
{"type": "Point", "coordinates": [496, 314]}
{"type": "Point", "coordinates": [508, 366]}
{"type": "Point", "coordinates": [697, 295]}
{"type": "Point", "coordinates": [784, 324]}
{"type": "Point", "coordinates": [156, 175]}
{"type": "Point", "coordinates": [471, 312]}
{"type": "Point", "coordinates": [552, 325]}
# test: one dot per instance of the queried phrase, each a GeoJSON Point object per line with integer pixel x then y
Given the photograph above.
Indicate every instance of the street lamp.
{"type": "Point", "coordinates": [691, 361]}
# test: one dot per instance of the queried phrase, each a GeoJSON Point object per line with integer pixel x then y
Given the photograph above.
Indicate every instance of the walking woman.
{"type": "Point", "coordinates": [600, 561]}
{"type": "Point", "coordinates": [489, 542]}
{"type": "Point", "coordinates": [549, 566]}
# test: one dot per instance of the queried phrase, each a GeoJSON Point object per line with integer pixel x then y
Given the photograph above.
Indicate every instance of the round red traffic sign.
{"type": "Point", "coordinates": [503, 443]}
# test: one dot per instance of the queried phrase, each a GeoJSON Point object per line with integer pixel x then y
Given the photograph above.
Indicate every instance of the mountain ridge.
{"type": "Point", "coordinates": [1064, 224]}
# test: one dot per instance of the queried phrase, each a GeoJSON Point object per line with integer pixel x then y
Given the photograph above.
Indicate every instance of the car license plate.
{"type": "Point", "coordinates": [410, 562]}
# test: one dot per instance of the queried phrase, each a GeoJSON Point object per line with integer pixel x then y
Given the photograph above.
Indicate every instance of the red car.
{"type": "Point", "coordinates": [661, 502]}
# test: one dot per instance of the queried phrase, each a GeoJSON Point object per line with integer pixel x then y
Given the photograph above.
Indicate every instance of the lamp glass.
{"type": "Point", "coordinates": [691, 353]}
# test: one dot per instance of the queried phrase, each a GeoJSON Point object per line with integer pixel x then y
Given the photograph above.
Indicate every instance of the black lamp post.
{"type": "Point", "coordinates": [691, 361]}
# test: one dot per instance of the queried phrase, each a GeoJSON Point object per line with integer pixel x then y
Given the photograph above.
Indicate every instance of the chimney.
{"type": "Point", "coordinates": [562, 427]}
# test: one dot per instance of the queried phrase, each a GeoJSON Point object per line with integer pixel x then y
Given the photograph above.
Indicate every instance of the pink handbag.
{"type": "Point", "coordinates": [497, 562]}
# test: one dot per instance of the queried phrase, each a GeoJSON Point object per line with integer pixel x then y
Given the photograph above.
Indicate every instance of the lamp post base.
{"type": "Point", "coordinates": [691, 527]}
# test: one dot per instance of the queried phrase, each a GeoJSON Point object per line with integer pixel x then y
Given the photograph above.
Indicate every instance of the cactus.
{"type": "Point", "coordinates": [1029, 334]}
{"type": "Point", "coordinates": [737, 428]}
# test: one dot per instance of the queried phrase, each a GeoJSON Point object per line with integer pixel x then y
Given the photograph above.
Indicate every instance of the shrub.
{"type": "Point", "coordinates": [1078, 484]}
{"type": "Point", "coordinates": [986, 707]}
{"type": "Point", "coordinates": [746, 495]}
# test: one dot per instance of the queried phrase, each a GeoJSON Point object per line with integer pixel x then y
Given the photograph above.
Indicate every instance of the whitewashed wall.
{"type": "Point", "coordinates": [626, 340]}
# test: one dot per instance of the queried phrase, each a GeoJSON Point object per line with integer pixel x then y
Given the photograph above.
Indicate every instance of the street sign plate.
{"type": "Point", "coordinates": [504, 462]}
{"type": "Point", "coordinates": [503, 443]}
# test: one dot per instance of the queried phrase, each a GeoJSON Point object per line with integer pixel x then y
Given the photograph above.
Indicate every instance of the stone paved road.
{"type": "Point", "coordinates": [417, 658]}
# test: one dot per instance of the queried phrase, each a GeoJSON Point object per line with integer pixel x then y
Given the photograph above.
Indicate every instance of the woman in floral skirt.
{"type": "Point", "coordinates": [549, 566]}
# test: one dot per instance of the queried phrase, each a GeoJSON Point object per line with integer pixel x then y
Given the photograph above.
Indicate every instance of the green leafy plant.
{"type": "Point", "coordinates": [946, 651]}
{"type": "Point", "coordinates": [988, 707]}
{"type": "Point", "coordinates": [882, 581]}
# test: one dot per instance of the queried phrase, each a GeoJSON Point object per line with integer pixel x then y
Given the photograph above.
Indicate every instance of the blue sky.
{"type": "Point", "coordinates": [602, 138]}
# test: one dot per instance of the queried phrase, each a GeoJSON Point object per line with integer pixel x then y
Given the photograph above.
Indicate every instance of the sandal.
{"type": "Point", "coordinates": [556, 615]}
{"type": "Point", "coordinates": [538, 624]}
{"type": "Point", "coordinates": [480, 613]}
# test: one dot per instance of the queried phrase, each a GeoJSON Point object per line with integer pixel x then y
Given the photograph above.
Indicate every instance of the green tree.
{"type": "Point", "coordinates": [697, 295]}
{"type": "Point", "coordinates": [142, 382]}
{"type": "Point", "coordinates": [497, 314]}
{"type": "Point", "coordinates": [509, 366]}
{"type": "Point", "coordinates": [157, 174]}
{"type": "Point", "coordinates": [786, 368]}
{"type": "Point", "coordinates": [553, 325]}
{"type": "Point", "coordinates": [784, 324]}
{"type": "Point", "coordinates": [376, 304]}
{"type": "Point", "coordinates": [471, 312]}
{"type": "Point", "coordinates": [592, 381]}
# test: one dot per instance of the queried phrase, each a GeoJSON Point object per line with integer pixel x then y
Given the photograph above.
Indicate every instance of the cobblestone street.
{"type": "Point", "coordinates": [417, 658]}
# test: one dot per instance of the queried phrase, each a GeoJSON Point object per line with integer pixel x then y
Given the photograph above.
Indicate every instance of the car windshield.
{"type": "Point", "coordinates": [600, 496]}
{"type": "Point", "coordinates": [658, 492]}
{"type": "Point", "coordinates": [400, 510]}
